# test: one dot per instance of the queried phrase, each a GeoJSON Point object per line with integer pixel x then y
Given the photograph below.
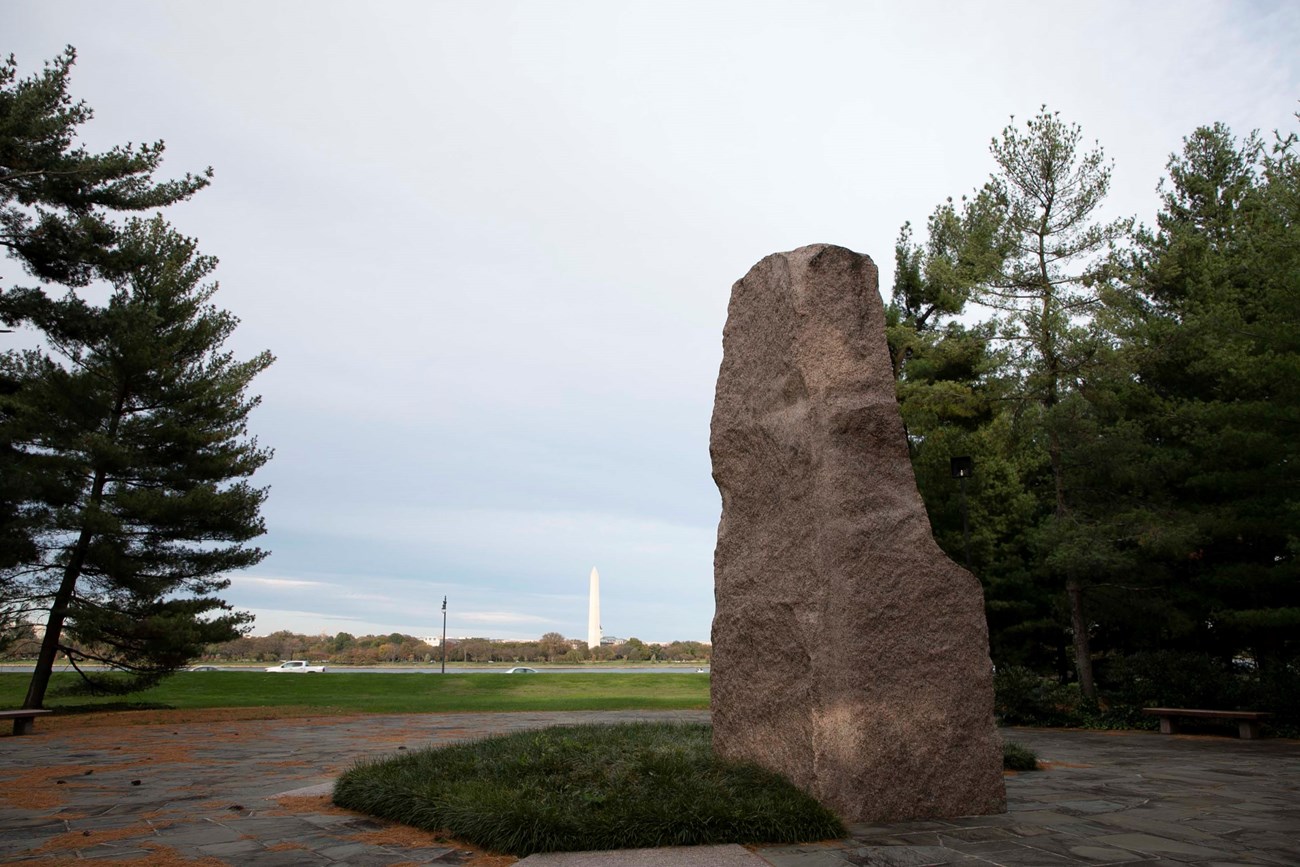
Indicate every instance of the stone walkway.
{"type": "Point", "coordinates": [1132, 798]}
{"type": "Point", "coordinates": [255, 792]}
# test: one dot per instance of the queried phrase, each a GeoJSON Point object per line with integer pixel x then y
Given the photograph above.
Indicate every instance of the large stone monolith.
{"type": "Point", "coordinates": [849, 653]}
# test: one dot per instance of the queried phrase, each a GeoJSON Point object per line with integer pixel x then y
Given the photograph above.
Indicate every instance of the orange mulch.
{"type": "Point", "coordinates": [159, 856]}
{"type": "Point", "coordinates": [296, 804]}
{"type": "Point", "coordinates": [86, 839]}
{"type": "Point", "coordinates": [79, 721]}
{"type": "Point", "coordinates": [126, 730]}
{"type": "Point", "coordinates": [39, 788]}
{"type": "Point", "coordinates": [393, 835]}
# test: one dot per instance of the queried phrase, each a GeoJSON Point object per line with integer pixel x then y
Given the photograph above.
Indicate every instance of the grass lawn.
{"type": "Point", "coordinates": [573, 788]}
{"type": "Point", "coordinates": [387, 693]}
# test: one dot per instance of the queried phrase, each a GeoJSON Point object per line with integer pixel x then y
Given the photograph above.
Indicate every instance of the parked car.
{"type": "Point", "coordinates": [204, 668]}
{"type": "Point", "coordinates": [521, 670]}
{"type": "Point", "coordinates": [298, 665]}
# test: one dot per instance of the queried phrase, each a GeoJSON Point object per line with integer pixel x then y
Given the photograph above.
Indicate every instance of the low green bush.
{"type": "Point", "coordinates": [1018, 758]}
{"type": "Point", "coordinates": [1023, 697]}
{"type": "Point", "coordinates": [1127, 684]}
{"type": "Point", "coordinates": [587, 787]}
{"type": "Point", "coordinates": [1166, 678]}
{"type": "Point", "coordinates": [1278, 691]}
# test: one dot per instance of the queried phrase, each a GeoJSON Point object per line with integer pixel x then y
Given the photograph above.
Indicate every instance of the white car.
{"type": "Point", "coordinates": [521, 670]}
{"type": "Point", "coordinates": [298, 665]}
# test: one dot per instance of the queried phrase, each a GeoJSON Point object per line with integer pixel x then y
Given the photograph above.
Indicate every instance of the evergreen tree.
{"type": "Point", "coordinates": [955, 402]}
{"type": "Point", "coordinates": [57, 199]}
{"type": "Point", "coordinates": [1213, 328]}
{"type": "Point", "coordinates": [1047, 289]}
{"type": "Point", "coordinates": [57, 203]}
{"type": "Point", "coordinates": [139, 422]}
{"type": "Point", "coordinates": [1029, 246]}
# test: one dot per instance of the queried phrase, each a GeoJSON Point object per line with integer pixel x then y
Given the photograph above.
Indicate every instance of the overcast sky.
{"type": "Point", "coordinates": [491, 244]}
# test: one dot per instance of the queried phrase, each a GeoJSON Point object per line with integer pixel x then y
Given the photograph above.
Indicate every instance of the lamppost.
{"type": "Point", "coordinates": [963, 468]}
{"type": "Point", "coordinates": [444, 635]}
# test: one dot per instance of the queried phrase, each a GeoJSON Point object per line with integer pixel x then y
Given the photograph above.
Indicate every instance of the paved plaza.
{"type": "Point", "coordinates": [255, 792]}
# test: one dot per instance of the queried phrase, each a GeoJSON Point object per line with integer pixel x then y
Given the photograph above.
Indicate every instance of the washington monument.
{"type": "Point", "coordinates": [593, 611]}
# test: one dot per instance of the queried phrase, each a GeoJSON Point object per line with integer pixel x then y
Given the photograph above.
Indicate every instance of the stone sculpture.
{"type": "Point", "coordinates": [849, 653]}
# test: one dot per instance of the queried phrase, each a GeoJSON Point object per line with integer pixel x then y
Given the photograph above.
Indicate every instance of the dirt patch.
{"type": "Point", "coordinates": [1047, 766]}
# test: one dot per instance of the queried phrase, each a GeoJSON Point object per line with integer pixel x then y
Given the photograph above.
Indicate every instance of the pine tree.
{"type": "Point", "coordinates": [139, 420]}
{"type": "Point", "coordinates": [56, 199]}
{"type": "Point", "coordinates": [1213, 329]}
{"type": "Point", "coordinates": [57, 207]}
{"type": "Point", "coordinates": [1029, 246]}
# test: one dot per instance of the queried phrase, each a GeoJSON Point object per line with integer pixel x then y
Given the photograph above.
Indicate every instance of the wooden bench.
{"type": "Point", "coordinates": [1247, 720]}
{"type": "Point", "coordinates": [24, 720]}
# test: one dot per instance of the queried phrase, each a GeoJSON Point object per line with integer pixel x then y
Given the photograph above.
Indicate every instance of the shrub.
{"type": "Point", "coordinates": [1162, 678]}
{"type": "Point", "coordinates": [1167, 678]}
{"type": "Point", "coordinates": [1022, 697]}
{"type": "Point", "coordinates": [587, 787]}
{"type": "Point", "coordinates": [1018, 758]}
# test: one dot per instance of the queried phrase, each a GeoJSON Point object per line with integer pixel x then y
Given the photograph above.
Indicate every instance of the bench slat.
{"type": "Point", "coordinates": [1223, 714]}
{"type": "Point", "coordinates": [1247, 720]}
{"type": "Point", "coordinates": [24, 720]}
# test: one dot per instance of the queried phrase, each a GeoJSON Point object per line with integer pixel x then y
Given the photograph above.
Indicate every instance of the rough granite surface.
{"type": "Point", "coordinates": [849, 653]}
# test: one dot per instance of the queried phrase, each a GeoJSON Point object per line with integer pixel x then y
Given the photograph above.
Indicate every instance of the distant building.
{"type": "Point", "coordinates": [436, 640]}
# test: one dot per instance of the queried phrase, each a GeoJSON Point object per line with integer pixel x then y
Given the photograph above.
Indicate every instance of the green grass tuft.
{"type": "Point", "coordinates": [1018, 758]}
{"type": "Point", "coordinates": [587, 787]}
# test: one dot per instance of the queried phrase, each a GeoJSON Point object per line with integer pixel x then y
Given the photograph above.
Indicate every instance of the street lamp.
{"type": "Point", "coordinates": [962, 469]}
{"type": "Point", "coordinates": [444, 635]}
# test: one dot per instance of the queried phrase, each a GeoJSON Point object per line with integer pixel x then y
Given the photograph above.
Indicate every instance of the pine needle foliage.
{"type": "Point", "coordinates": [135, 427]}
{"type": "Point", "coordinates": [57, 200]}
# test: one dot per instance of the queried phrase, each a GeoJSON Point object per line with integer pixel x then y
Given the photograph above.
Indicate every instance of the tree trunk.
{"type": "Point", "coordinates": [1073, 587]}
{"type": "Point", "coordinates": [1082, 646]}
{"type": "Point", "coordinates": [59, 609]}
{"type": "Point", "coordinates": [71, 574]}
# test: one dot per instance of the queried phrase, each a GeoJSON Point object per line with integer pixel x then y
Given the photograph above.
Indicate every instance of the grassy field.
{"type": "Point", "coordinates": [388, 693]}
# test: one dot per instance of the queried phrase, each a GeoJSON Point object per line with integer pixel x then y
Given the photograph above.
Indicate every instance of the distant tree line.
{"type": "Point", "coordinates": [345, 649]}
{"type": "Point", "coordinates": [1130, 397]}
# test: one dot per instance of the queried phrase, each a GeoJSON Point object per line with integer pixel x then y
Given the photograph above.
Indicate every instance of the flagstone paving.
{"type": "Point", "coordinates": [255, 792]}
{"type": "Point", "coordinates": [1132, 798]}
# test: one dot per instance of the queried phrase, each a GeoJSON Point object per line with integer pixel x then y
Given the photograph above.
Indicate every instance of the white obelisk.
{"type": "Point", "coordinates": [593, 611]}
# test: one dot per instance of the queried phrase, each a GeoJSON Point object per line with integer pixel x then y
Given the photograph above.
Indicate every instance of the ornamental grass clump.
{"type": "Point", "coordinates": [1018, 758]}
{"type": "Point", "coordinates": [587, 787]}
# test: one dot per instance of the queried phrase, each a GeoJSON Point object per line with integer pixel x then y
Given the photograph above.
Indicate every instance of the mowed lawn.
{"type": "Point", "coordinates": [387, 693]}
